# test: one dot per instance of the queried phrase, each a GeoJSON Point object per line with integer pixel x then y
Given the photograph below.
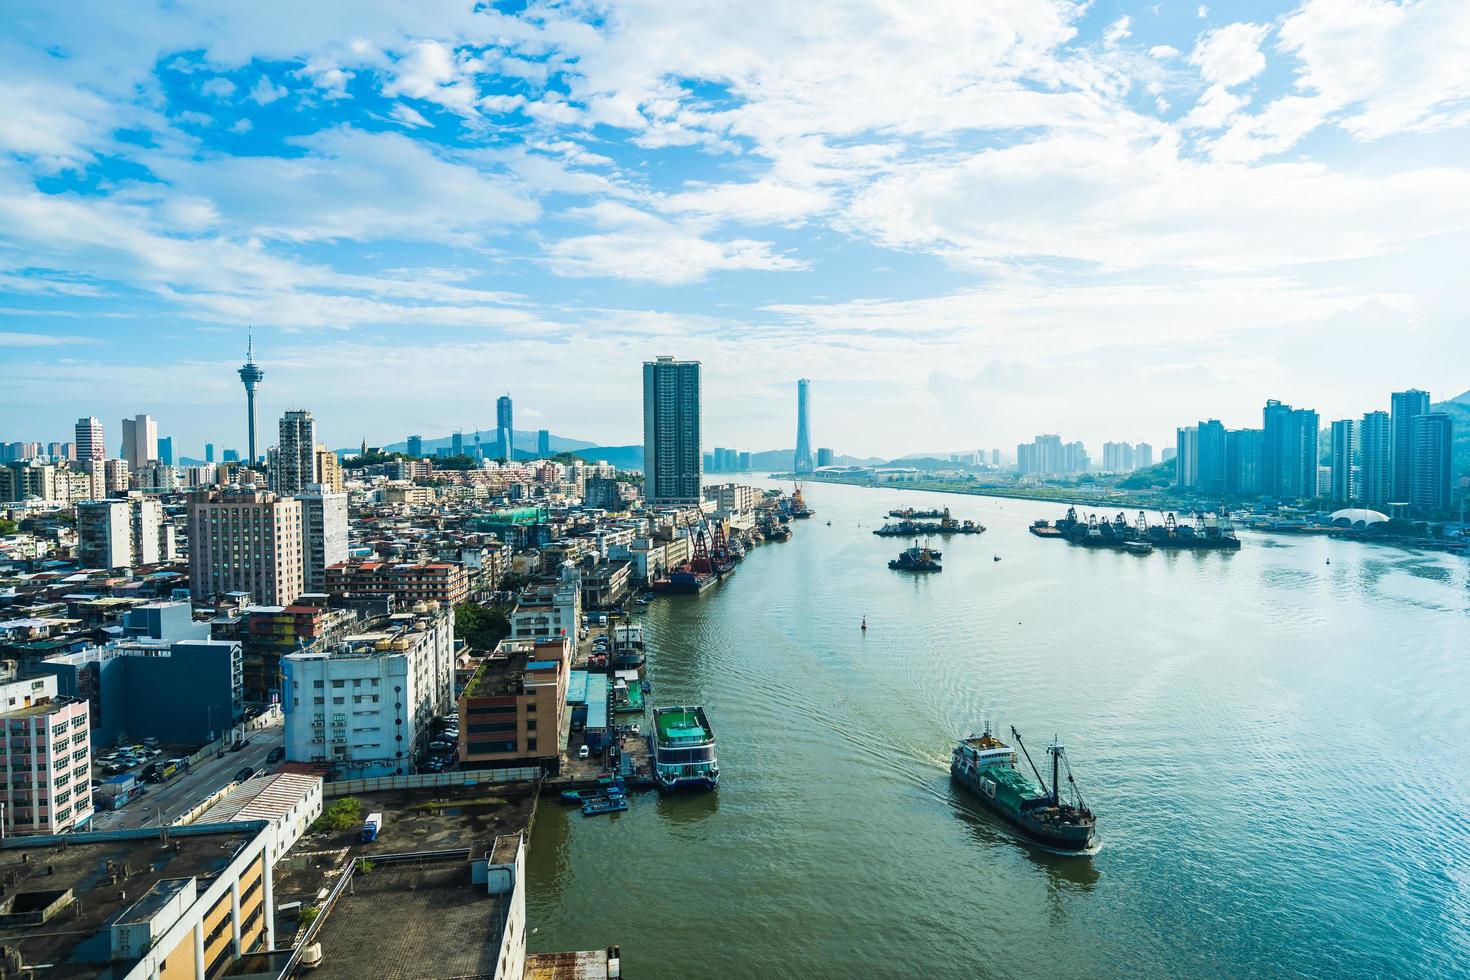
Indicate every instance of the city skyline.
{"type": "Point", "coordinates": [1203, 205]}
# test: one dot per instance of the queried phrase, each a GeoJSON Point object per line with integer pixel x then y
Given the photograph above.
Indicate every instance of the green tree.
{"type": "Point", "coordinates": [7, 526]}
{"type": "Point", "coordinates": [482, 627]}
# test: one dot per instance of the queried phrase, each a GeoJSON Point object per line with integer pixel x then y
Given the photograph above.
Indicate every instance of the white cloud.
{"type": "Point", "coordinates": [642, 247]}
{"type": "Point", "coordinates": [409, 116]}
{"type": "Point", "coordinates": [15, 339]}
{"type": "Point", "coordinates": [266, 91]}
{"type": "Point", "coordinates": [1163, 52]}
{"type": "Point", "coordinates": [241, 126]}
{"type": "Point", "coordinates": [432, 72]}
{"type": "Point", "coordinates": [1118, 31]}
{"type": "Point", "coordinates": [1230, 55]}
{"type": "Point", "coordinates": [219, 87]}
{"type": "Point", "coordinates": [1214, 109]}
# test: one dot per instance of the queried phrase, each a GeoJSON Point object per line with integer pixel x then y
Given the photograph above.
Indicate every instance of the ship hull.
{"type": "Point", "coordinates": [1060, 838]}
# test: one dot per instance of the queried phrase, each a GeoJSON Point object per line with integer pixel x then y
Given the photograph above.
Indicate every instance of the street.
{"type": "Point", "coordinates": [170, 800]}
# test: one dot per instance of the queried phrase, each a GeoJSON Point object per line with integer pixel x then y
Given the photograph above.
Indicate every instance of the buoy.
{"type": "Point", "coordinates": [865, 624]}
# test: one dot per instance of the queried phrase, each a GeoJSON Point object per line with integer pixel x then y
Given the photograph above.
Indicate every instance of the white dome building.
{"type": "Point", "coordinates": [1359, 517]}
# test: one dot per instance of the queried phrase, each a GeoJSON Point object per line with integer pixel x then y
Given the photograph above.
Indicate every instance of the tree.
{"type": "Point", "coordinates": [7, 526]}
{"type": "Point", "coordinates": [481, 627]}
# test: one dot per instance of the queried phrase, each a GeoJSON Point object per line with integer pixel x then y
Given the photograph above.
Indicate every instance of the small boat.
{"type": "Point", "coordinates": [917, 559]}
{"type": "Point", "coordinates": [1138, 547]}
{"type": "Point", "coordinates": [647, 687]}
{"type": "Point", "coordinates": [604, 804]}
{"type": "Point", "coordinates": [987, 767]}
{"type": "Point", "coordinates": [607, 787]}
{"type": "Point", "coordinates": [995, 557]}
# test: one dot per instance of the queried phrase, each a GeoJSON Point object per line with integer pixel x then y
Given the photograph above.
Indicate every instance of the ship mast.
{"type": "Point", "coordinates": [1056, 782]}
{"type": "Point", "coordinates": [1017, 736]}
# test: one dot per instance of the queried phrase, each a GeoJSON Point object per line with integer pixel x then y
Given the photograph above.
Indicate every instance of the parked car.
{"type": "Point", "coordinates": [241, 745]}
{"type": "Point", "coordinates": [583, 752]}
{"type": "Point", "coordinates": [244, 774]}
{"type": "Point", "coordinates": [437, 746]}
{"type": "Point", "coordinates": [276, 754]}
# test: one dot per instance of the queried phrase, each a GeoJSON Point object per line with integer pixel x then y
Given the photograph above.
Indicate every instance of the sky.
{"type": "Point", "coordinates": [965, 222]}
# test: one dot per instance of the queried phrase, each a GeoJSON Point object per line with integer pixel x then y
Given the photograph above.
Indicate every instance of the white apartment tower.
{"type": "Point", "coordinates": [324, 534]}
{"type": "Point", "coordinates": [91, 443]}
{"type": "Point", "coordinates": [140, 441]}
{"type": "Point", "coordinates": [123, 533]}
{"type": "Point", "coordinates": [46, 758]}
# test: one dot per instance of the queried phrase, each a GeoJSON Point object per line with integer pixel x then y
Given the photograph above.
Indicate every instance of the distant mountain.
{"type": "Point", "coordinates": [623, 457]}
{"type": "Point", "coordinates": [1458, 409]}
{"type": "Point", "coordinates": [523, 442]}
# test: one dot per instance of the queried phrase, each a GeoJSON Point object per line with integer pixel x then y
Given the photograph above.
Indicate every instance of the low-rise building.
{"type": "Point", "coordinates": [364, 703]}
{"type": "Point", "coordinates": [549, 609]}
{"type": "Point", "coordinates": [437, 581]}
{"type": "Point", "coordinates": [123, 533]}
{"type": "Point", "coordinates": [288, 801]}
{"type": "Point", "coordinates": [511, 710]}
{"type": "Point", "coordinates": [46, 754]}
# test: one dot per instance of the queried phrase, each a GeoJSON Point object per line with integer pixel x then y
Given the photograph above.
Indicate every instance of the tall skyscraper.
{"type": "Point", "coordinates": [1243, 461]}
{"type": "Point", "coordinates": [209, 452]}
{"type": "Point", "coordinates": [1143, 455]}
{"type": "Point", "coordinates": [91, 443]}
{"type": "Point", "coordinates": [416, 446]}
{"type": "Point", "coordinates": [803, 462]}
{"type": "Point", "coordinates": [1430, 470]}
{"type": "Point", "coordinates": [456, 444]}
{"type": "Point", "coordinates": [166, 450]}
{"type": "Point", "coordinates": [824, 456]}
{"type": "Point", "coordinates": [1404, 406]}
{"type": "Point", "coordinates": [1186, 457]}
{"type": "Point", "coordinates": [140, 441]}
{"type": "Point", "coordinates": [251, 375]}
{"type": "Point", "coordinates": [543, 443]}
{"type": "Point", "coordinates": [1288, 451]}
{"type": "Point", "coordinates": [1211, 462]}
{"type": "Point", "coordinates": [504, 428]}
{"type": "Point", "coordinates": [1344, 460]}
{"type": "Point", "coordinates": [323, 533]}
{"type": "Point", "coordinates": [296, 466]}
{"type": "Point", "coordinates": [1375, 459]}
{"type": "Point", "coordinates": [673, 462]}
{"type": "Point", "coordinates": [245, 541]}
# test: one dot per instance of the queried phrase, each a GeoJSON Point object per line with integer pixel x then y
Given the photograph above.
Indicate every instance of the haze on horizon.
{"type": "Point", "coordinates": [966, 223]}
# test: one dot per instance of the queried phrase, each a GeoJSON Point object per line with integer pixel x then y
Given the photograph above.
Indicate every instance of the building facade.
{"type": "Point", "coordinates": [673, 460]}
{"type": "Point", "coordinates": [46, 753]}
{"type": "Point", "coordinates": [140, 441]}
{"type": "Point", "coordinates": [436, 581]}
{"type": "Point", "coordinates": [295, 466]}
{"type": "Point", "coordinates": [364, 704]}
{"type": "Point", "coordinates": [803, 461]}
{"type": "Point", "coordinates": [1344, 461]}
{"type": "Point", "coordinates": [1431, 471]}
{"type": "Point", "coordinates": [324, 534]}
{"type": "Point", "coordinates": [91, 442]}
{"type": "Point", "coordinates": [1404, 407]}
{"type": "Point", "coordinates": [123, 533]}
{"type": "Point", "coordinates": [504, 428]}
{"type": "Point", "coordinates": [510, 712]}
{"type": "Point", "coordinates": [1375, 457]}
{"type": "Point", "coordinates": [245, 541]}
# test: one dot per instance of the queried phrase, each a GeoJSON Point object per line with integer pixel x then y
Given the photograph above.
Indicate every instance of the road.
{"type": "Point", "coordinates": [176, 797]}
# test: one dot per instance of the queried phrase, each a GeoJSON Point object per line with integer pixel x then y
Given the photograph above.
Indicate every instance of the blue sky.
{"type": "Point", "coordinates": [965, 222]}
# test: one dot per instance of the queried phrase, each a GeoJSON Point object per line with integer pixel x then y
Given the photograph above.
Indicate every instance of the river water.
{"type": "Point", "coordinates": [1275, 746]}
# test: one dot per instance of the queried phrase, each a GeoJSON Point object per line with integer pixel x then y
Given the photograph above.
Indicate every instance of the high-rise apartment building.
{"type": "Point", "coordinates": [324, 534]}
{"type": "Point", "coordinates": [45, 757]}
{"type": "Point", "coordinates": [123, 533]}
{"type": "Point", "coordinates": [543, 443]}
{"type": "Point", "coordinates": [245, 541]}
{"type": "Point", "coordinates": [1288, 451]}
{"type": "Point", "coordinates": [1344, 461]}
{"type": "Point", "coordinates": [1404, 407]}
{"type": "Point", "coordinates": [1210, 475]}
{"type": "Point", "coordinates": [416, 446]}
{"type": "Point", "coordinates": [1243, 461]}
{"type": "Point", "coordinates": [673, 462]}
{"type": "Point", "coordinates": [1430, 469]}
{"type": "Point", "coordinates": [166, 450]}
{"type": "Point", "coordinates": [140, 441]}
{"type": "Point", "coordinates": [803, 461]}
{"type": "Point", "coordinates": [91, 443]}
{"type": "Point", "coordinates": [504, 428]}
{"type": "Point", "coordinates": [456, 444]}
{"type": "Point", "coordinates": [824, 456]}
{"type": "Point", "coordinates": [209, 452]}
{"type": "Point", "coordinates": [1375, 456]}
{"type": "Point", "coordinates": [295, 468]}
{"type": "Point", "coordinates": [1186, 457]}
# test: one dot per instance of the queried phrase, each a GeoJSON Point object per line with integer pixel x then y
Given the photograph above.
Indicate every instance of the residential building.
{"type": "Point", "coordinates": [245, 541]}
{"type": "Point", "coordinates": [824, 456]}
{"type": "Point", "coordinates": [803, 461]}
{"type": "Point", "coordinates": [1288, 451]}
{"type": "Point", "coordinates": [1243, 462]}
{"type": "Point", "coordinates": [510, 713]}
{"type": "Point", "coordinates": [1186, 457]}
{"type": "Point", "coordinates": [416, 446]}
{"type": "Point", "coordinates": [673, 461]}
{"type": "Point", "coordinates": [123, 533]}
{"type": "Point", "coordinates": [1344, 461]}
{"type": "Point", "coordinates": [409, 496]}
{"type": "Point", "coordinates": [504, 429]}
{"type": "Point", "coordinates": [1211, 457]}
{"type": "Point", "coordinates": [271, 632]}
{"type": "Point", "coordinates": [295, 466]}
{"type": "Point", "coordinates": [166, 450]}
{"type": "Point", "coordinates": [1375, 456]}
{"type": "Point", "coordinates": [29, 478]}
{"type": "Point", "coordinates": [365, 703]}
{"type": "Point", "coordinates": [1431, 471]}
{"type": "Point", "coordinates": [130, 905]}
{"type": "Point", "coordinates": [603, 492]}
{"type": "Point", "coordinates": [1404, 407]}
{"type": "Point", "coordinates": [140, 441]}
{"type": "Point", "coordinates": [543, 443]}
{"type": "Point", "coordinates": [549, 609]}
{"type": "Point", "coordinates": [408, 582]}
{"type": "Point", "coordinates": [209, 452]}
{"type": "Point", "coordinates": [46, 754]}
{"type": "Point", "coordinates": [732, 498]}
{"type": "Point", "coordinates": [328, 469]}
{"type": "Point", "coordinates": [91, 441]}
{"type": "Point", "coordinates": [324, 534]}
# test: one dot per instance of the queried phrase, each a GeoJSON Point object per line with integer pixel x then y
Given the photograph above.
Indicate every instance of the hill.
{"type": "Point", "coordinates": [1458, 409]}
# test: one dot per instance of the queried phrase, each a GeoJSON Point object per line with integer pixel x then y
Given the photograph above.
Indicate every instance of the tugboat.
{"type": "Point", "coordinates": [684, 749]}
{"type": "Point", "coordinates": [917, 559]}
{"type": "Point", "coordinates": [986, 766]}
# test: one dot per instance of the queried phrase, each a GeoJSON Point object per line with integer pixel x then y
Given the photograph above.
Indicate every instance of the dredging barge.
{"type": "Point", "coordinates": [986, 766]}
{"type": "Point", "coordinates": [1201, 532]}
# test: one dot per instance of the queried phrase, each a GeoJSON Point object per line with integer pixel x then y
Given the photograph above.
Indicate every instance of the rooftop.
{"type": "Point", "coordinates": [107, 874]}
{"type": "Point", "coordinates": [263, 798]}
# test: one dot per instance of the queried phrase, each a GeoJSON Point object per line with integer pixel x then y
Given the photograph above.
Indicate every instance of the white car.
{"type": "Point", "coordinates": [583, 752]}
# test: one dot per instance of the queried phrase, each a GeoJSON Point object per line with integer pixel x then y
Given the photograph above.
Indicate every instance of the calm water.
{"type": "Point", "coordinates": [1275, 747]}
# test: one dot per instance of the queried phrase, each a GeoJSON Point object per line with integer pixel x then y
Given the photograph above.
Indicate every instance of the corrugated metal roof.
{"type": "Point", "coordinates": [262, 798]}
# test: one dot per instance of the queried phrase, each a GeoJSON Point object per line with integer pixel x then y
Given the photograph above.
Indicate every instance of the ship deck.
{"type": "Point", "coordinates": [680, 725]}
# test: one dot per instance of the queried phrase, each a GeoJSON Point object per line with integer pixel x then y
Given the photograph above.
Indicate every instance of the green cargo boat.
{"type": "Point", "coordinates": [684, 749]}
{"type": "Point", "coordinates": [986, 766]}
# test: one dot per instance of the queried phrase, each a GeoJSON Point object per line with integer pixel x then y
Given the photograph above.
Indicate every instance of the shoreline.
{"type": "Point", "coordinates": [1069, 500]}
